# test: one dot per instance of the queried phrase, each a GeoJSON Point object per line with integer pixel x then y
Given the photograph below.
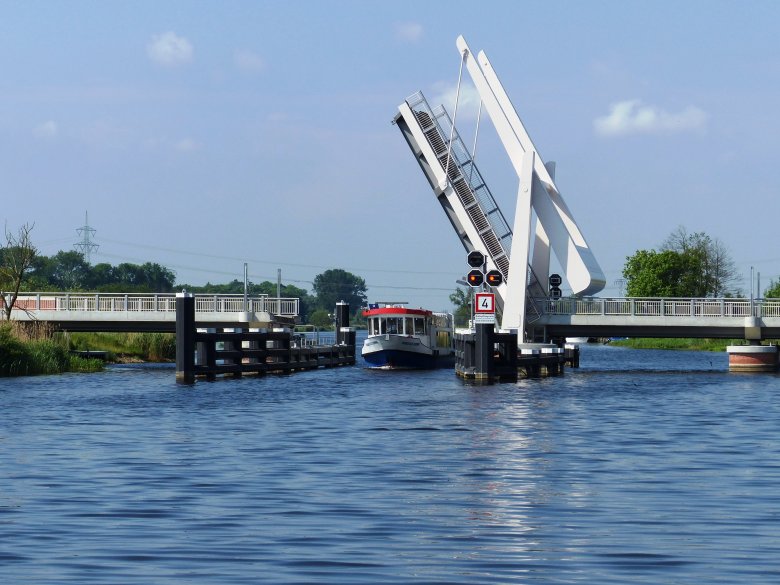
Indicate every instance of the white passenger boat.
{"type": "Point", "coordinates": [401, 338]}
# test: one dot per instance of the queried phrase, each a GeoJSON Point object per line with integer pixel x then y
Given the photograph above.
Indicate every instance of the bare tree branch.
{"type": "Point", "coordinates": [17, 254]}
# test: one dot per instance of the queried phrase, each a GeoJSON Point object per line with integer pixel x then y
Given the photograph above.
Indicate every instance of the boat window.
{"type": "Point", "coordinates": [382, 326]}
{"type": "Point", "coordinates": [408, 326]}
{"type": "Point", "coordinates": [393, 325]}
{"type": "Point", "coordinates": [419, 325]}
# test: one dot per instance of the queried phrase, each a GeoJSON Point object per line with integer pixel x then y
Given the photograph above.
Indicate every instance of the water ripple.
{"type": "Point", "coordinates": [640, 467]}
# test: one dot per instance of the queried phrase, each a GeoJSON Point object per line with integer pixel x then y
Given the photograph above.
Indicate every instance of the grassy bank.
{"type": "Point", "coordinates": [681, 343]}
{"type": "Point", "coordinates": [147, 347]}
{"type": "Point", "coordinates": [33, 357]}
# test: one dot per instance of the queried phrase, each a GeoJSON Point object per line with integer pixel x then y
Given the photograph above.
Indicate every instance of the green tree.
{"type": "Point", "coordinates": [657, 274]}
{"type": "Point", "coordinates": [336, 285]}
{"type": "Point", "coordinates": [157, 278]}
{"type": "Point", "coordinates": [773, 292]}
{"type": "Point", "coordinates": [687, 265]}
{"type": "Point", "coordinates": [68, 271]}
{"type": "Point", "coordinates": [463, 302]}
{"type": "Point", "coordinates": [712, 271]}
{"type": "Point", "coordinates": [321, 318]}
{"type": "Point", "coordinates": [102, 278]}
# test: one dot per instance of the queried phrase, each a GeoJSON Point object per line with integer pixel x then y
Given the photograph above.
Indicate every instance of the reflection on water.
{"type": "Point", "coordinates": [641, 467]}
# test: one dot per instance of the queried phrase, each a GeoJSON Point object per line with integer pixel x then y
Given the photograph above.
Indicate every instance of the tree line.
{"type": "Point", "coordinates": [684, 265]}
{"type": "Point", "coordinates": [22, 269]}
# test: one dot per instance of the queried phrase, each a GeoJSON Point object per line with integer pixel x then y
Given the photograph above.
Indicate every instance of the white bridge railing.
{"type": "Point", "coordinates": [144, 302]}
{"type": "Point", "coordinates": [655, 307]}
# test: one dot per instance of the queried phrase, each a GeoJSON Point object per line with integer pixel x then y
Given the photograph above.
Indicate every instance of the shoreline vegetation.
{"type": "Point", "coordinates": [20, 356]}
{"type": "Point", "coordinates": [32, 351]}
{"type": "Point", "coordinates": [26, 351]}
{"type": "Point", "coordinates": [683, 343]}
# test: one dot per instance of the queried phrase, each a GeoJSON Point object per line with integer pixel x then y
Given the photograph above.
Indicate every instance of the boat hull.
{"type": "Point", "coordinates": [398, 353]}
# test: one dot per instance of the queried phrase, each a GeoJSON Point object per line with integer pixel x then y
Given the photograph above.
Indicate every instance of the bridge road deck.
{"type": "Point", "coordinates": [654, 317]}
{"type": "Point", "coordinates": [126, 312]}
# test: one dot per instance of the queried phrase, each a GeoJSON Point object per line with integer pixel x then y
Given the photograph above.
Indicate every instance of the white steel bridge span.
{"type": "Point", "coordinates": [726, 318]}
{"type": "Point", "coordinates": [145, 312]}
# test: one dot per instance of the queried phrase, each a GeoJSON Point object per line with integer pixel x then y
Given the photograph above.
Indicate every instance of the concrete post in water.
{"type": "Point", "coordinates": [185, 338]}
{"type": "Point", "coordinates": [752, 358]}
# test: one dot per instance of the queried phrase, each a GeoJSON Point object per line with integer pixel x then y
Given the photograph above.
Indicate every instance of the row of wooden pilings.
{"type": "Point", "coordinates": [486, 356]}
{"type": "Point", "coordinates": [242, 349]}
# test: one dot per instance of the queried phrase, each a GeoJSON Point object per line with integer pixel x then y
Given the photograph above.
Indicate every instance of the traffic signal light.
{"type": "Point", "coordinates": [494, 278]}
{"type": "Point", "coordinates": [475, 259]}
{"type": "Point", "coordinates": [475, 277]}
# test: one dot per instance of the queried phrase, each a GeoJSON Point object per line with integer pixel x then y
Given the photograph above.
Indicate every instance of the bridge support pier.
{"type": "Point", "coordinates": [752, 358]}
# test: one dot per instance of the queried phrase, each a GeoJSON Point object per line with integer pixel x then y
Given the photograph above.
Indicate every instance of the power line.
{"type": "Point", "coordinates": [272, 262]}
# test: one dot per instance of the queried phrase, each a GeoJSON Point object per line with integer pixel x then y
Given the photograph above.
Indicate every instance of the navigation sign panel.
{"type": "Point", "coordinates": [485, 318]}
{"type": "Point", "coordinates": [484, 303]}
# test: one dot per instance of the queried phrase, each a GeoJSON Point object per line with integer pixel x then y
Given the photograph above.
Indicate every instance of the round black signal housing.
{"type": "Point", "coordinates": [494, 278]}
{"type": "Point", "coordinates": [475, 277]}
{"type": "Point", "coordinates": [555, 280]}
{"type": "Point", "coordinates": [555, 292]}
{"type": "Point", "coordinates": [475, 259]}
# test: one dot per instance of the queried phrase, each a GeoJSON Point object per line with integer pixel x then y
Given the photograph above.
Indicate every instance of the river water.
{"type": "Point", "coordinates": [640, 467]}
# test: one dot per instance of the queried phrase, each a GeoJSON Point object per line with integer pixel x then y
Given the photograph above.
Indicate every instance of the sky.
{"type": "Point", "coordinates": [203, 135]}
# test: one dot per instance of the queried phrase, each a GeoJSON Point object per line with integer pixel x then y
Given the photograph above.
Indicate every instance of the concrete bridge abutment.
{"type": "Point", "coordinates": [753, 358]}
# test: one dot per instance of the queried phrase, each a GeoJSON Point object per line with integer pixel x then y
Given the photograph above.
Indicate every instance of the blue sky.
{"type": "Point", "coordinates": [204, 134]}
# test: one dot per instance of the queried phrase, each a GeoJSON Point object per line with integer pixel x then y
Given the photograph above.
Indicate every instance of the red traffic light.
{"type": "Point", "coordinates": [494, 278]}
{"type": "Point", "coordinates": [475, 278]}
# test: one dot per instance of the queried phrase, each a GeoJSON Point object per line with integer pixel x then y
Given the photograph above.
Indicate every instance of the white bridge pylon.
{"type": "Point", "coordinates": [540, 211]}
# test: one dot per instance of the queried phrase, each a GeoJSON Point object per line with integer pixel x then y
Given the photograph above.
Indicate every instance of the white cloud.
{"type": "Point", "coordinates": [187, 145]}
{"type": "Point", "coordinates": [249, 62]}
{"type": "Point", "coordinates": [409, 31]}
{"type": "Point", "coordinates": [47, 130]}
{"type": "Point", "coordinates": [468, 100]}
{"type": "Point", "coordinates": [634, 117]}
{"type": "Point", "coordinates": [169, 50]}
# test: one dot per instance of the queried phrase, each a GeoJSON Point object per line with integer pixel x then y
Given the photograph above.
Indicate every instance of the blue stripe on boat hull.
{"type": "Point", "coordinates": [391, 358]}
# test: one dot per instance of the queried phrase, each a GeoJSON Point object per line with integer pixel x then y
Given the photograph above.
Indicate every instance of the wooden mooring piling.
{"type": "Point", "coordinates": [486, 356]}
{"type": "Point", "coordinates": [242, 349]}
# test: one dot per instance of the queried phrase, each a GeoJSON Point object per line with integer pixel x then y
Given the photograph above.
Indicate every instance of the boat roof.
{"type": "Point", "coordinates": [371, 312]}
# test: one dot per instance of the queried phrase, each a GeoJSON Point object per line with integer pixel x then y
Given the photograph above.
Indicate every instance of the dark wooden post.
{"type": "Point", "coordinates": [484, 352]}
{"type": "Point", "coordinates": [345, 335]}
{"type": "Point", "coordinates": [342, 321]}
{"type": "Point", "coordinates": [185, 338]}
